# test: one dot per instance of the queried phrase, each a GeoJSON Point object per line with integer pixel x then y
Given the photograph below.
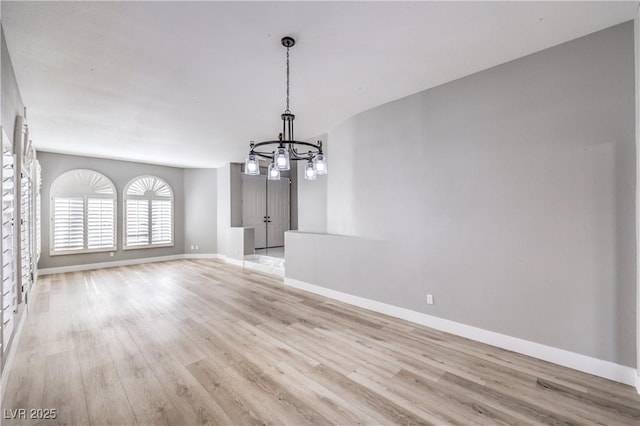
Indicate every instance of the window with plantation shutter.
{"type": "Point", "coordinates": [68, 223]}
{"type": "Point", "coordinates": [161, 224]}
{"type": "Point", "coordinates": [83, 216]}
{"type": "Point", "coordinates": [137, 222]}
{"type": "Point", "coordinates": [100, 223]}
{"type": "Point", "coordinates": [148, 213]}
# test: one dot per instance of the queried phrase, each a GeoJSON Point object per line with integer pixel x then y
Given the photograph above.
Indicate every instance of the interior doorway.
{"type": "Point", "coordinates": [266, 207]}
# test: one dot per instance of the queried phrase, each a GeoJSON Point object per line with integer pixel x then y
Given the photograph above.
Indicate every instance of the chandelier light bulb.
{"type": "Point", "coordinates": [273, 173]}
{"type": "Point", "coordinates": [251, 166]}
{"type": "Point", "coordinates": [309, 171]}
{"type": "Point", "coordinates": [282, 159]}
{"type": "Point", "coordinates": [320, 164]}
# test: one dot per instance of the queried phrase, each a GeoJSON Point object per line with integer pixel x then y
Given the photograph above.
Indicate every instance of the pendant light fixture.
{"type": "Point", "coordinates": [286, 149]}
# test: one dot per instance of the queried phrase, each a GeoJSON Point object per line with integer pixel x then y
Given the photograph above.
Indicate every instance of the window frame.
{"type": "Point", "coordinates": [149, 199]}
{"type": "Point", "coordinates": [85, 216]}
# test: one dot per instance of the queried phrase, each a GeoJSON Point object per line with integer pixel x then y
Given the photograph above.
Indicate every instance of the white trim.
{"type": "Point", "coordinates": [80, 251]}
{"type": "Point", "coordinates": [203, 256]}
{"type": "Point", "coordinates": [598, 367]}
{"type": "Point", "coordinates": [638, 380]}
{"type": "Point", "coordinates": [101, 265]}
{"type": "Point", "coordinates": [148, 246]}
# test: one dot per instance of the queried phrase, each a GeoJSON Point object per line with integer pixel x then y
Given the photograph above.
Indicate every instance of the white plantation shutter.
{"type": "Point", "coordinates": [38, 213]}
{"type": "Point", "coordinates": [8, 258]}
{"type": "Point", "coordinates": [68, 223]}
{"type": "Point", "coordinates": [148, 213]}
{"type": "Point", "coordinates": [161, 221]}
{"type": "Point", "coordinates": [137, 222]}
{"type": "Point", "coordinates": [83, 213]}
{"type": "Point", "coordinates": [100, 223]}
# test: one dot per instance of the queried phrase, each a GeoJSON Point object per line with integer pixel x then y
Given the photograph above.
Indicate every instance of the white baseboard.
{"type": "Point", "coordinates": [203, 256]}
{"type": "Point", "coordinates": [101, 265]}
{"type": "Point", "coordinates": [598, 367]}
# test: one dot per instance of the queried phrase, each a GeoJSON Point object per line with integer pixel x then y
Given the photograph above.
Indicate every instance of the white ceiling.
{"type": "Point", "coordinates": [190, 84]}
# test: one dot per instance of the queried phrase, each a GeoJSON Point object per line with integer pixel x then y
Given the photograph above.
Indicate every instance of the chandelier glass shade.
{"type": "Point", "coordinates": [285, 149]}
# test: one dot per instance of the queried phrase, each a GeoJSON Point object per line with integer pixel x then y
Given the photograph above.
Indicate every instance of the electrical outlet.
{"type": "Point", "coordinates": [429, 299]}
{"type": "Point", "coordinates": [191, 247]}
{"type": "Point", "coordinates": [197, 248]}
{"type": "Point", "coordinates": [111, 254]}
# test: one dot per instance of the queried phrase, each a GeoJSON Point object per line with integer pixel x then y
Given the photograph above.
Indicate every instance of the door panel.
{"type": "Point", "coordinates": [254, 207]}
{"type": "Point", "coordinates": [277, 211]}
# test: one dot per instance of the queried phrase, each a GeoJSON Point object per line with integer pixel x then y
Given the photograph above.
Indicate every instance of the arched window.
{"type": "Point", "coordinates": [148, 213]}
{"type": "Point", "coordinates": [83, 206]}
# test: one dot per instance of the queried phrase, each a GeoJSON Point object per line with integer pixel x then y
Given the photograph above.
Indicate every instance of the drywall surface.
{"type": "Point", "coordinates": [200, 211]}
{"type": "Point", "coordinates": [312, 195]}
{"type": "Point", "coordinates": [120, 172]}
{"type": "Point", "coordinates": [636, 26]}
{"type": "Point", "coordinates": [12, 105]}
{"type": "Point", "coordinates": [509, 195]}
{"type": "Point", "coordinates": [235, 194]}
{"type": "Point", "coordinates": [224, 208]}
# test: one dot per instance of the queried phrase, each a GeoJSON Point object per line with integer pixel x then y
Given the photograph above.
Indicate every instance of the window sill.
{"type": "Point", "coordinates": [83, 251]}
{"type": "Point", "coordinates": [148, 246]}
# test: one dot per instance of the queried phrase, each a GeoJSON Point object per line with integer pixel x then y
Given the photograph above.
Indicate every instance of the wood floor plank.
{"type": "Point", "coordinates": [65, 390]}
{"type": "Point", "coordinates": [204, 342]}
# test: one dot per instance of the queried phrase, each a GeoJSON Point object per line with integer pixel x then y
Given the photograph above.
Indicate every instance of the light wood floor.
{"type": "Point", "coordinates": [200, 341]}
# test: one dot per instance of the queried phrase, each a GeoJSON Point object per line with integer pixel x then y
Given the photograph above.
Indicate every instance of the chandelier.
{"type": "Point", "coordinates": [286, 149]}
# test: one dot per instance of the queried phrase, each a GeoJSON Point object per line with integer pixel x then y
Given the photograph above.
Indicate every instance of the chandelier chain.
{"type": "Point", "coordinates": [287, 110]}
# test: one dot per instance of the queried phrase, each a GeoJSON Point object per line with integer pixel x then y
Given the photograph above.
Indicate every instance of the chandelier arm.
{"type": "Point", "coordinates": [291, 145]}
{"type": "Point", "coordinates": [264, 155]}
{"type": "Point", "coordinates": [263, 143]}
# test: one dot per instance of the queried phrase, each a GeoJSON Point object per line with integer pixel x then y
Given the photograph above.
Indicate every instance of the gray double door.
{"type": "Point", "coordinates": [266, 207]}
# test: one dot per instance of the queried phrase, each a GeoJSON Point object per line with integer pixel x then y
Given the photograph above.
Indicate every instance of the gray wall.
{"type": "Point", "coordinates": [312, 195]}
{"type": "Point", "coordinates": [12, 105]}
{"type": "Point", "coordinates": [223, 195]}
{"type": "Point", "coordinates": [508, 195]}
{"type": "Point", "coordinates": [637, 56]}
{"type": "Point", "coordinates": [293, 212]}
{"type": "Point", "coordinates": [235, 195]}
{"type": "Point", "coordinates": [120, 172]}
{"type": "Point", "coordinates": [200, 210]}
